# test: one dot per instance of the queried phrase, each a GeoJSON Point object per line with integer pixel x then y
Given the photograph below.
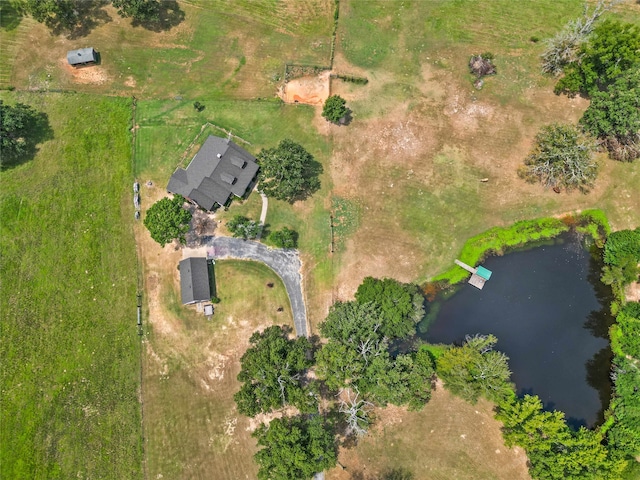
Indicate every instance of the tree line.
{"type": "Point", "coordinates": [333, 385]}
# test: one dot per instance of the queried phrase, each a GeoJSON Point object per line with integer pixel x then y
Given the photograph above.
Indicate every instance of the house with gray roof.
{"type": "Point", "coordinates": [194, 280]}
{"type": "Point", "coordinates": [82, 56]}
{"type": "Point", "coordinates": [219, 169]}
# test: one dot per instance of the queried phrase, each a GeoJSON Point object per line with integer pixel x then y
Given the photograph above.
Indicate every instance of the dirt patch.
{"type": "Point", "coordinates": [632, 292]}
{"type": "Point", "coordinates": [91, 74]}
{"type": "Point", "coordinates": [309, 90]}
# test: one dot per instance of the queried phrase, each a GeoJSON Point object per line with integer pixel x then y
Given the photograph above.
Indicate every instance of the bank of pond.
{"type": "Point", "coordinates": [550, 313]}
{"type": "Point", "coordinates": [556, 305]}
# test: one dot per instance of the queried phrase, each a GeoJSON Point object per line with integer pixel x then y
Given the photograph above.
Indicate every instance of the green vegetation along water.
{"type": "Point", "coordinates": [549, 311]}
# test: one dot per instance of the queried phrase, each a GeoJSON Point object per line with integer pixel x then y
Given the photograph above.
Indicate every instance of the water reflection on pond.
{"type": "Point", "coordinates": [551, 315]}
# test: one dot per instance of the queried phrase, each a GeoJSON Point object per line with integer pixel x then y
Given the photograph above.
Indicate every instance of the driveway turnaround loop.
{"type": "Point", "coordinates": [285, 262]}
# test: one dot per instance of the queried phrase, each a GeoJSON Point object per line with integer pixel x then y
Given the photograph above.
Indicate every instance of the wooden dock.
{"type": "Point", "coordinates": [479, 275]}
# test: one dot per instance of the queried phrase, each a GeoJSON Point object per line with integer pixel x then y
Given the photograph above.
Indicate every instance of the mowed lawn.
{"type": "Point", "coordinates": [70, 351]}
{"type": "Point", "coordinates": [222, 48]}
{"type": "Point", "coordinates": [192, 428]}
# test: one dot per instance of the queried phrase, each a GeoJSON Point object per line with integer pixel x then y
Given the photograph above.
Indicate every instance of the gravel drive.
{"type": "Point", "coordinates": [285, 262]}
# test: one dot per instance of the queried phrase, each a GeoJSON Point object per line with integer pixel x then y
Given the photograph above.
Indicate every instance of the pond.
{"type": "Point", "coordinates": [551, 315]}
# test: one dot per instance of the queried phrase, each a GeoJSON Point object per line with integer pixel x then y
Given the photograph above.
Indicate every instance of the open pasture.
{"type": "Point", "coordinates": [70, 349]}
{"type": "Point", "coordinates": [429, 159]}
{"type": "Point", "coordinates": [221, 49]}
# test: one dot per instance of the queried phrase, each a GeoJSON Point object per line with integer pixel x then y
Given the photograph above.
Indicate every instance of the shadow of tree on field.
{"type": "Point", "coordinates": [39, 130]}
{"type": "Point", "coordinates": [10, 15]}
{"type": "Point", "coordinates": [169, 13]}
{"type": "Point", "coordinates": [79, 18]}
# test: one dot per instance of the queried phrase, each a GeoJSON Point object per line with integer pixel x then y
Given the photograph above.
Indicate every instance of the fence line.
{"type": "Point", "coordinates": [202, 129]}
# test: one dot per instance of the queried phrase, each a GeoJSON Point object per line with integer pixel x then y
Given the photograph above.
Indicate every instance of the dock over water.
{"type": "Point", "coordinates": [478, 275]}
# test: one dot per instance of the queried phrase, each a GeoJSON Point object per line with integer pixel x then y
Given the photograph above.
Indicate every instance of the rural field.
{"type": "Point", "coordinates": [70, 349]}
{"type": "Point", "coordinates": [401, 187]}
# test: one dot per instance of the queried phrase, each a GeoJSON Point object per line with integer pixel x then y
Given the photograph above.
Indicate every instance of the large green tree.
{"type": "Point", "coordinates": [71, 17]}
{"type": "Point", "coordinates": [21, 128]}
{"type": "Point", "coordinates": [561, 157]}
{"type": "Point", "coordinates": [272, 373]}
{"type": "Point", "coordinates": [139, 10]}
{"type": "Point", "coordinates": [406, 380]}
{"type": "Point", "coordinates": [401, 304]}
{"type": "Point", "coordinates": [354, 342]}
{"type": "Point", "coordinates": [288, 172]}
{"type": "Point", "coordinates": [295, 448]}
{"type": "Point", "coordinates": [167, 220]}
{"type": "Point", "coordinates": [613, 116]}
{"type": "Point", "coordinates": [612, 49]}
{"type": "Point", "coordinates": [475, 370]}
{"type": "Point", "coordinates": [334, 108]}
{"type": "Point", "coordinates": [623, 434]}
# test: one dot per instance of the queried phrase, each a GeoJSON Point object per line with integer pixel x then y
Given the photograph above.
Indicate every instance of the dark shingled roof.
{"type": "Point", "coordinates": [194, 280]}
{"type": "Point", "coordinates": [219, 169]}
{"type": "Point", "coordinates": [83, 55]}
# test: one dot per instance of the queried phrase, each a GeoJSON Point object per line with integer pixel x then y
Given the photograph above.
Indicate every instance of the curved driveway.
{"type": "Point", "coordinates": [285, 262]}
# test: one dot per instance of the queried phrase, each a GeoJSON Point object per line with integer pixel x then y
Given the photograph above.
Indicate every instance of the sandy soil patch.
{"type": "Point", "coordinates": [632, 292]}
{"type": "Point", "coordinates": [92, 74]}
{"type": "Point", "coordinates": [310, 90]}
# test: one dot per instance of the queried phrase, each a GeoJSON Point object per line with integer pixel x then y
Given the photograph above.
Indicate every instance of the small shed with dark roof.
{"type": "Point", "coordinates": [82, 56]}
{"type": "Point", "coordinates": [219, 169]}
{"type": "Point", "coordinates": [194, 280]}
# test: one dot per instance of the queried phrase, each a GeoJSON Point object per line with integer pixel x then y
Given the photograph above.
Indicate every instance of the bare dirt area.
{"type": "Point", "coordinates": [90, 74]}
{"type": "Point", "coordinates": [309, 90]}
{"type": "Point", "coordinates": [632, 292]}
{"type": "Point", "coordinates": [448, 439]}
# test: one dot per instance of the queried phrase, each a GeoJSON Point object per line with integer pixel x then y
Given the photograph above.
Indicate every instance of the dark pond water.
{"type": "Point", "coordinates": [549, 311]}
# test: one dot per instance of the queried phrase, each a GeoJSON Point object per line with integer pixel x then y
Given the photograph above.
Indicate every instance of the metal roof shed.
{"type": "Point", "coordinates": [82, 56]}
{"type": "Point", "coordinates": [194, 280]}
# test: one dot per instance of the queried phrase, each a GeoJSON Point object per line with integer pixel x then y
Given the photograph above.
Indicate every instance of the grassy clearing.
{"type": "Point", "coordinates": [221, 49]}
{"type": "Point", "coordinates": [70, 350]}
{"type": "Point", "coordinates": [448, 439]}
{"type": "Point", "coordinates": [423, 138]}
{"type": "Point", "coordinates": [192, 428]}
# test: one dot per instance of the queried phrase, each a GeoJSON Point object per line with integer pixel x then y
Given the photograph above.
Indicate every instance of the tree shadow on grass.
{"type": "Point", "coordinates": [79, 22]}
{"type": "Point", "coordinates": [39, 130]}
{"type": "Point", "coordinates": [10, 15]}
{"type": "Point", "coordinates": [169, 16]}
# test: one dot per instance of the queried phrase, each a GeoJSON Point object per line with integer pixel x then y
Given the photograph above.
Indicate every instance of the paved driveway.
{"type": "Point", "coordinates": [285, 262]}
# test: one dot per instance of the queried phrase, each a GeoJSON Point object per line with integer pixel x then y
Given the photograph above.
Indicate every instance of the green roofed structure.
{"type": "Point", "coordinates": [483, 272]}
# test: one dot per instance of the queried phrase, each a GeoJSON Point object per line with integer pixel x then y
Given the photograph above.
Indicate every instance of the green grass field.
{"type": "Point", "coordinates": [70, 350]}
{"type": "Point", "coordinates": [222, 49]}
